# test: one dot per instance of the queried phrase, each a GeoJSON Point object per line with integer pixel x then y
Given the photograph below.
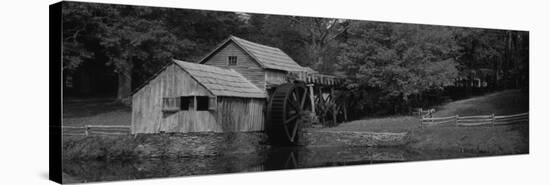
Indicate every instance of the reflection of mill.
{"type": "Point", "coordinates": [278, 158]}
{"type": "Point", "coordinates": [282, 158]}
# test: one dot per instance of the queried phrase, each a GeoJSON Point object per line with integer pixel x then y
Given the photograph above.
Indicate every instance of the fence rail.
{"type": "Point", "coordinates": [478, 120]}
{"type": "Point", "coordinates": [87, 130]}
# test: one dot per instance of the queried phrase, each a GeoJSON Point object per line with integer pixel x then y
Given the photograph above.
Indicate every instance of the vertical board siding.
{"type": "Point", "coordinates": [250, 69]}
{"type": "Point", "coordinates": [147, 115]}
{"type": "Point", "coordinates": [275, 77]}
{"type": "Point", "coordinates": [241, 114]}
{"type": "Point", "coordinates": [231, 115]}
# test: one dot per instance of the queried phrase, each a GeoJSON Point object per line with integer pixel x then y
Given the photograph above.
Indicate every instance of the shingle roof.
{"type": "Point", "coordinates": [221, 82]}
{"type": "Point", "coordinates": [267, 56]}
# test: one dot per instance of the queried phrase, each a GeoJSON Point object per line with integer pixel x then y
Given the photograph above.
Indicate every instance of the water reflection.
{"type": "Point", "coordinates": [276, 158]}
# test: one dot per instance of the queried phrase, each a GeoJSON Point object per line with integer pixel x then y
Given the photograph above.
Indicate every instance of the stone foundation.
{"type": "Point", "coordinates": [317, 138]}
{"type": "Point", "coordinates": [174, 145]}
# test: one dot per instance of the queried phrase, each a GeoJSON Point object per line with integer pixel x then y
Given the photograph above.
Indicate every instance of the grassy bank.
{"type": "Point", "coordinates": [512, 139]}
{"type": "Point", "coordinates": [498, 140]}
{"type": "Point", "coordinates": [499, 103]}
{"type": "Point", "coordinates": [79, 112]}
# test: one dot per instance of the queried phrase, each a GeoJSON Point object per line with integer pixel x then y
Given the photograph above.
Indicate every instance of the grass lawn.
{"type": "Point", "coordinates": [78, 112]}
{"type": "Point", "coordinates": [500, 103]}
{"type": "Point", "coordinates": [498, 140]}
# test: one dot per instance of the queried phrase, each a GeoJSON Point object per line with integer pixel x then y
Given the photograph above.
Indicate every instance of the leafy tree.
{"type": "Point", "coordinates": [499, 57]}
{"type": "Point", "coordinates": [126, 35]}
{"type": "Point", "coordinates": [397, 61]}
{"type": "Point", "coordinates": [311, 41]}
{"type": "Point", "coordinates": [319, 37]}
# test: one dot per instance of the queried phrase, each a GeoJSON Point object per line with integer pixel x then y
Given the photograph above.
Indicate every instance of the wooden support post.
{"type": "Point", "coordinates": [345, 112]}
{"type": "Point", "coordinates": [311, 98]}
{"type": "Point", "coordinates": [333, 106]}
{"type": "Point", "coordinates": [322, 108]}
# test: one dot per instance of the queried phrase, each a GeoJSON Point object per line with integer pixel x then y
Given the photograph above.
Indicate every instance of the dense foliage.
{"type": "Point", "coordinates": [389, 67]}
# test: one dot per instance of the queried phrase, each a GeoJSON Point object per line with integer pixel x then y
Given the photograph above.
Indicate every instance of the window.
{"type": "Point", "coordinates": [186, 103]}
{"type": "Point", "coordinates": [199, 103]}
{"type": "Point", "coordinates": [213, 103]}
{"type": "Point", "coordinates": [170, 104]}
{"type": "Point", "coordinates": [69, 81]}
{"type": "Point", "coordinates": [232, 60]}
{"type": "Point", "coordinates": [202, 103]}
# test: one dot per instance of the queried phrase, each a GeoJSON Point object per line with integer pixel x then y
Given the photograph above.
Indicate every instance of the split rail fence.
{"type": "Point", "coordinates": [87, 130]}
{"type": "Point", "coordinates": [475, 120]}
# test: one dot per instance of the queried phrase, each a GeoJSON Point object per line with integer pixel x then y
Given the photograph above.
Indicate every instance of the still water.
{"type": "Point", "coordinates": [276, 158]}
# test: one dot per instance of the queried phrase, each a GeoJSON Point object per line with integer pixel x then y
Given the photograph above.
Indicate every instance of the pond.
{"type": "Point", "coordinates": [276, 158]}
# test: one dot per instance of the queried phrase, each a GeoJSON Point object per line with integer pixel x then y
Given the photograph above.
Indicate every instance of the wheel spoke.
{"type": "Point", "coordinates": [287, 133]}
{"type": "Point", "coordinates": [292, 160]}
{"type": "Point", "coordinates": [303, 99]}
{"type": "Point", "coordinates": [292, 118]}
{"type": "Point", "coordinates": [293, 104]}
{"type": "Point", "coordinates": [297, 101]}
{"type": "Point", "coordinates": [294, 132]}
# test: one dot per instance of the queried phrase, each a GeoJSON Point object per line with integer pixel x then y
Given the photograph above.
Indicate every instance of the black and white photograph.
{"type": "Point", "coordinates": [151, 92]}
{"type": "Point", "coordinates": [274, 92]}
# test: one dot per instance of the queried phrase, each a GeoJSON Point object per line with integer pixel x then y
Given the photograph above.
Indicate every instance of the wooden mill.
{"type": "Point", "coordinates": [240, 86]}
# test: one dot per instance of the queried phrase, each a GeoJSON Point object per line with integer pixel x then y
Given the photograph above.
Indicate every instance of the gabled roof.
{"type": "Point", "coordinates": [268, 57]}
{"type": "Point", "coordinates": [221, 82]}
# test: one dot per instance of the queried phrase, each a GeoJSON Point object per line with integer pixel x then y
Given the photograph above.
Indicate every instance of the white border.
{"type": "Point", "coordinates": [24, 95]}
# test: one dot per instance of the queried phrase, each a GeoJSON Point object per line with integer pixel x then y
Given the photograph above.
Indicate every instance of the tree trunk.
{"type": "Point", "coordinates": [125, 84]}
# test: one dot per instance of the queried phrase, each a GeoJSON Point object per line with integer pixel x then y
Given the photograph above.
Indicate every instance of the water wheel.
{"type": "Point", "coordinates": [286, 110]}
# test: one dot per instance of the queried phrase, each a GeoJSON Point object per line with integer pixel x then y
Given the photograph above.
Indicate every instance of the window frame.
{"type": "Point", "coordinates": [189, 103]}
{"type": "Point", "coordinates": [170, 104]}
{"type": "Point", "coordinates": [212, 103]}
{"type": "Point", "coordinates": [232, 60]}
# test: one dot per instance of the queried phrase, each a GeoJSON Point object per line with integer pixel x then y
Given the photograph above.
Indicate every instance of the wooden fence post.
{"type": "Point", "coordinates": [86, 130]}
{"type": "Point", "coordinates": [493, 120]}
{"type": "Point", "coordinates": [456, 121]}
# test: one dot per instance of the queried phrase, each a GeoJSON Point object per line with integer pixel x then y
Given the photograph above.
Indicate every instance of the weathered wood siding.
{"type": "Point", "coordinates": [147, 116]}
{"type": "Point", "coordinates": [275, 77]}
{"type": "Point", "coordinates": [241, 114]}
{"type": "Point", "coordinates": [250, 69]}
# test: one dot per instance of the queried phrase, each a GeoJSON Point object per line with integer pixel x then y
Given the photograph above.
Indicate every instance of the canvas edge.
{"type": "Point", "coordinates": [55, 92]}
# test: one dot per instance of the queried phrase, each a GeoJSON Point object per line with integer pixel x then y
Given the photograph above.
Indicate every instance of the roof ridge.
{"type": "Point", "coordinates": [202, 65]}
{"type": "Point", "coordinates": [250, 42]}
{"type": "Point", "coordinates": [267, 57]}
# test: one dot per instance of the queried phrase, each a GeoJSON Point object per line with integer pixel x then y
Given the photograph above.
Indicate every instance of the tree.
{"type": "Point", "coordinates": [311, 41]}
{"type": "Point", "coordinates": [319, 36]}
{"type": "Point", "coordinates": [398, 61]}
{"type": "Point", "coordinates": [499, 56]}
{"type": "Point", "coordinates": [127, 35]}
